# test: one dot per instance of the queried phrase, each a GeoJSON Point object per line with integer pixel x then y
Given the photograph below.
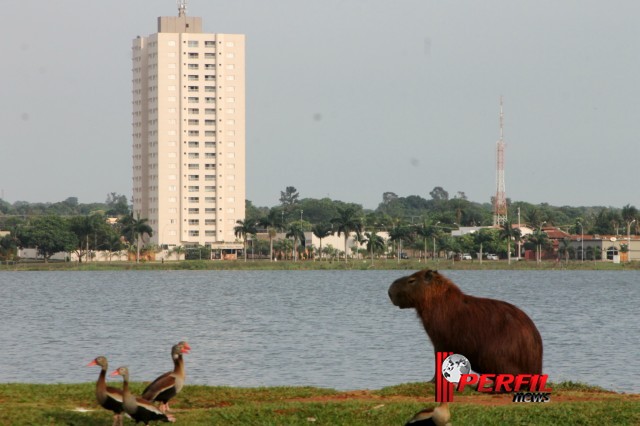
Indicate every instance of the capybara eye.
{"type": "Point", "coordinates": [412, 280]}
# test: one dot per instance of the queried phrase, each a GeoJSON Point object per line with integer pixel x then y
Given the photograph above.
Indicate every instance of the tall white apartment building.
{"type": "Point", "coordinates": [189, 132]}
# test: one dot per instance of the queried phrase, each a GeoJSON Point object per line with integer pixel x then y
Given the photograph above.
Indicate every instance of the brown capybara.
{"type": "Point", "coordinates": [495, 336]}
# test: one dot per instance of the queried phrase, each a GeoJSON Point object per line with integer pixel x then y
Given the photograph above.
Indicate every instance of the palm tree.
{"type": "Point", "coordinates": [178, 250]}
{"type": "Point", "coordinates": [374, 243]}
{"type": "Point", "coordinates": [508, 233]}
{"type": "Point", "coordinates": [242, 230]}
{"type": "Point", "coordinates": [272, 222]}
{"type": "Point", "coordinates": [135, 229]}
{"type": "Point", "coordinates": [398, 234]}
{"type": "Point", "coordinates": [322, 230]}
{"type": "Point", "coordinates": [565, 244]}
{"type": "Point", "coordinates": [538, 237]}
{"type": "Point", "coordinates": [296, 232]}
{"type": "Point", "coordinates": [347, 222]}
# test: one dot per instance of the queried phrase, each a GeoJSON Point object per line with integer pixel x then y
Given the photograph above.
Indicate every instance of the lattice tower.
{"type": "Point", "coordinates": [500, 200]}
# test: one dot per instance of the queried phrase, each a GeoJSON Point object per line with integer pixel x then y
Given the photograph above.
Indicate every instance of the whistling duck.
{"type": "Point", "coordinates": [108, 397]}
{"type": "Point", "coordinates": [138, 408]}
{"type": "Point", "coordinates": [438, 416]}
{"type": "Point", "coordinates": [169, 384]}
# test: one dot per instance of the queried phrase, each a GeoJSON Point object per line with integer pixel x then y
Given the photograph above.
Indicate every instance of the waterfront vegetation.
{"type": "Point", "coordinates": [74, 404]}
{"type": "Point", "coordinates": [412, 225]}
{"type": "Point", "coordinates": [362, 264]}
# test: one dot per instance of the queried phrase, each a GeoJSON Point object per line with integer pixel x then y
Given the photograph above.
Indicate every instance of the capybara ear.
{"type": "Point", "coordinates": [429, 274]}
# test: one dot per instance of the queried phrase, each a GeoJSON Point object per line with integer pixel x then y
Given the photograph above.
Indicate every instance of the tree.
{"type": "Point", "coordinates": [322, 230]}
{"type": "Point", "coordinates": [375, 243]}
{"type": "Point", "coordinates": [508, 233]}
{"type": "Point", "coordinates": [271, 222]}
{"type": "Point", "coordinates": [242, 230]}
{"type": "Point", "coordinates": [439, 194]}
{"type": "Point", "coordinates": [345, 223]}
{"type": "Point", "coordinates": [399, 233]}
{"type": "Point", "coordinates": [134, 229]}
{"type": "Point", "coordinates": [539, 238]}
{"type": "Point", "coordinates": [295, 231]}
{"type": "Point", "coordinates": [116, 205]}
{"type": "Point", "coordinates": [50, 235]}
{"type": "Point", "coordinates": [481, 237]}
{"type": "Point", "coordinates": [289, 197]}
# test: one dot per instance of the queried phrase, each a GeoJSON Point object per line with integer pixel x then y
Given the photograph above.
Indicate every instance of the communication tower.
{"type": "Point", "coordinates": [182, 7]}
{"type": "Point", "coordinates": [500, 200]}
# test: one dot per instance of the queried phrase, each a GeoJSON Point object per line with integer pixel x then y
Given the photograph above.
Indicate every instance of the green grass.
{"type": "Point", "coordinates": [571, 404]}
{"type": "Point", "coordinates": [364, 264]}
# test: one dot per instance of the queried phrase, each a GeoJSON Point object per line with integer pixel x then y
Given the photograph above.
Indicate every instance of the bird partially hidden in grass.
{"type": "Point", "coordinates": [438, 416]}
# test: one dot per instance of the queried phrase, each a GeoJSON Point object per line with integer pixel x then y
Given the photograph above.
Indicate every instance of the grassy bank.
{"type": "Point", "coordinates": [571, 404]}
{"type": "Point", "coordinates": [390, 264]}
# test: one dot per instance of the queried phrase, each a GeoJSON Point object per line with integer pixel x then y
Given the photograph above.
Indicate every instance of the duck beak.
{"type": "Point", "coordinates": [92, 363]}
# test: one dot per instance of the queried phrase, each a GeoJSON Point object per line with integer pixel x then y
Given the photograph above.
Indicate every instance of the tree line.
{"type": "Point", "coordinates": [412, 223]}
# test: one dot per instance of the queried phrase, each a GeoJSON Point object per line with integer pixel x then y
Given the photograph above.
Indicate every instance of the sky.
{"type": "Point", "coordinates": [346, 99]}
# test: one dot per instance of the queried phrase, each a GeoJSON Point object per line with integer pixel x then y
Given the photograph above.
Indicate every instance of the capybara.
{"type": "Point", "coordinates": [495, 336]}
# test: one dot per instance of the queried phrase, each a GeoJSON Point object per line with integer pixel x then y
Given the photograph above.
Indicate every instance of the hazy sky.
{"type": "Point", "coordinates": [345, 98]}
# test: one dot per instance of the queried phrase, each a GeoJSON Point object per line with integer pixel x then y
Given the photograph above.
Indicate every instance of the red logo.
{"type": "Point", "coordinates": [454, 369]}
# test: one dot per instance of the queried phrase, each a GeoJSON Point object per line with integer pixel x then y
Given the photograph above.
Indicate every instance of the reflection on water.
{"type": "Point", "coordinates": [332, 329]}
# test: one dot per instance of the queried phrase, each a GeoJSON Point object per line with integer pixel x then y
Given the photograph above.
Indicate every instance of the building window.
{"type": "Point", "coordinates": [194, 222]}
{"type": "Point", "coordinates": [194, 110]}
{"type": "Point", "coordinates": [193, 199]}
{"type": "Point", "coordinates": [194, 155]}
{"type": "Point", "coordinates": [193, 77]}
{"type": "Point", "coordinates": [193, 122]}
{"type": "Point", "coordinates": [210, 211]}
{"type": "Point", "coordinates": [192, 43]}
{"type": "Point", "coordinates": [193, 210]}
{"type": "Point", "coordinates": [191, 88]}
{"type": "Point", "coordinates": [209, 44]}
{"type": "Point", "coordinates": [209, 122]}
{"type": "Point", "coordinates": [209, 55]}
{"type": "Point", "coordinates": [209, 189]}
{"type": "Point", "coordinates": [194, 144]}
{"type": "Point", "coordinates": [194, 188]}
{"type": "Point", "coordinates": [209, 78]}
{"type": "Point", "coordinates": [209, 111]}
{"type": "Point", "coordinates": [193, 100]}
{"type": "Point", "coordinates": [209, 200]}
{"type": "Point", "coordinates": [209, 133]}
{"type": "Point", "coordinates": [210, 100]}
{"type": "Point", "coordinates": [194, 133]}
{"type": "Point", "coordinates": [194, 167]}
{"type": "Point", "coordinates": [194, 177]}
{"type": "Point", "coordinates": [193, 66]}
{"type": "Point", "coordinates": [209, 88]}
{"type": "Point", "coordinates": [194, 233]}
{"type": "Point", "coordinates": [209, 178]}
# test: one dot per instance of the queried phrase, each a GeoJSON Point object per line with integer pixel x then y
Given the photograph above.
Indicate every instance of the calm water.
{"type": "Point", "coordinates": [322, 328]}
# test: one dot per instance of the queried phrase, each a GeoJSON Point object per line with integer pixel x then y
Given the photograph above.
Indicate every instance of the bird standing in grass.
{"type": "Point", "coordinates": [170, 383]}
{"type": "Point", "coordinates": [139, 409]}
{"type": "Point", "coordinates": [108, 397]}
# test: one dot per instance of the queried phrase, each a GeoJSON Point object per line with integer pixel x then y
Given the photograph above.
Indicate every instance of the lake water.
{"type": "Point", "coordinates": [333, 329]}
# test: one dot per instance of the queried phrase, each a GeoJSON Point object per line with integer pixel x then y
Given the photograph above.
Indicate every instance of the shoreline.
{"type": "Point", "coordinates": [304, 265]}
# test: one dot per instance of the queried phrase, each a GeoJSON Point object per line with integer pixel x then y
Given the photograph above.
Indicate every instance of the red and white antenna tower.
{"type": "Point", "coordinates": [500, 200]}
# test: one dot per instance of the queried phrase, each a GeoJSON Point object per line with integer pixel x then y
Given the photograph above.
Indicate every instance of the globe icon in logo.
{"type": "Point", "coordinates": [454, 366]}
